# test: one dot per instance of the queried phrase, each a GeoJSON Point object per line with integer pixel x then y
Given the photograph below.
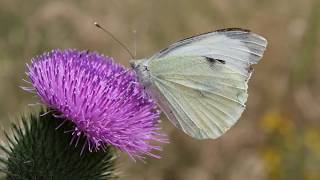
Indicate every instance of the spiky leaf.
{"type": "Point", "coordinates": [40, 148]}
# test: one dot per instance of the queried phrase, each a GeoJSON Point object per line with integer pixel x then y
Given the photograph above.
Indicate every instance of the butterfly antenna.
{"type": "Point", "coordinates": [114, 38]}
{"type": "Point", "coordinates": [135, 42]}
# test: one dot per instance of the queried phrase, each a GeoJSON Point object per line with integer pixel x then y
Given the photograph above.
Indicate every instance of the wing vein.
{"type": "Point", "coordinates": [205, 90]}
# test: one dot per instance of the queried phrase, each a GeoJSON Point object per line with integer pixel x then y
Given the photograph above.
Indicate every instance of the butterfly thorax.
{"type": "Point", "coordinates": [141, 68]}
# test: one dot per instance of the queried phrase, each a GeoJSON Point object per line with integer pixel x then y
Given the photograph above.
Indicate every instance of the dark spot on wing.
{"type": "Point", "coordinates": [212, 60]}
{"type": "Point", "coordinates": [232, 29]}
{"type": "Point", "coordinates": [221, 61]}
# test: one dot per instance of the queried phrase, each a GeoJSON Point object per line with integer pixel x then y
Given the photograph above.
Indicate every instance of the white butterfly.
{"type": "Point", "coordinates": [200, 83]}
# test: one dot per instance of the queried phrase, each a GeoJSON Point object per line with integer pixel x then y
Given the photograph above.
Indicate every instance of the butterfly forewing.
{"type": "Point", "coordinates": [237, 47]}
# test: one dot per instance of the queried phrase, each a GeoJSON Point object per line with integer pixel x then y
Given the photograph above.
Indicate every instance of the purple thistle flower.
{"type": "Point", "coordinates": [103, 100]}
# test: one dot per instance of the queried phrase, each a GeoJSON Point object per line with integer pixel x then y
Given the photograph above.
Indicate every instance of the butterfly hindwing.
{"type": "Point", "coordinates": [205, 97]}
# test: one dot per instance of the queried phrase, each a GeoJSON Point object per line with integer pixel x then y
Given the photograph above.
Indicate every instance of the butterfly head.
{"type": "Point", "coordinates": [141, 68]}
{"type": "Point", "coordinates": [137, 63]}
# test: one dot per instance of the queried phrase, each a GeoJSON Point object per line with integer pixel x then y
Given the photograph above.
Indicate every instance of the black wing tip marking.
{"type": "Point", "coordinates": [213, 60]}
{"type": "Point", "coordinates": [184, 41]}
{"type": "Point", "coordinates": [219, 30]}
{"type": "Point", "coordinates": [163, 50]}
{"type": "Point", "coordinates": [233, 29]}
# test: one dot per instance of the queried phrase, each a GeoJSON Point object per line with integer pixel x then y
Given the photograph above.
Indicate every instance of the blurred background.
{"type": "Point", "coordinates": [278, 136]}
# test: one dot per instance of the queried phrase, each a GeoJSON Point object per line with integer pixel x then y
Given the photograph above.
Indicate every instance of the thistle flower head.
{"type": "Point", "coordinates": [103, 100]}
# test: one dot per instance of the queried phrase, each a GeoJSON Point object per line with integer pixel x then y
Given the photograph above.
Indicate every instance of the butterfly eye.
{"type": "Point", "coordinates": [133, 64]}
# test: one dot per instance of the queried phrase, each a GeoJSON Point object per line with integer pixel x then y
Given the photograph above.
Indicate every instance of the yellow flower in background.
{"type": "Point", "coordinates": [312, 140]}
{"type": "Point", "coordinates": [272, 159]}
{"type": "Point", "coordinates": [290, 150]}
{"type": "Point", "coordinates": [274, 121]}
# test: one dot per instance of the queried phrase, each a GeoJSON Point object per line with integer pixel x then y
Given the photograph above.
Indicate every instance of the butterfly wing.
{"type": "Point", "coordinates": [201, 82]}
{"type": "Point", "coordinates": [237, 47]}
